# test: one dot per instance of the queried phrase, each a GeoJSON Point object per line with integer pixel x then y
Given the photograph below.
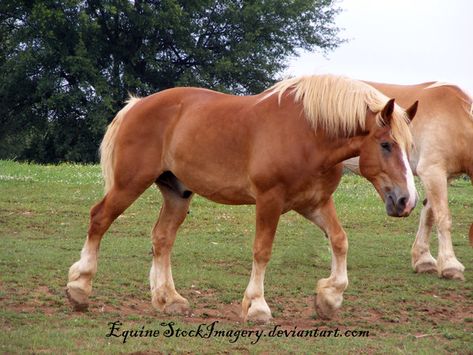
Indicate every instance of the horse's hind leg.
{"type": "Point", "coordinates": [102, 215]}
{"type": "Point", "coordinates": [436, 186]}
{"type": "Point", "coordinates": [163, 293]}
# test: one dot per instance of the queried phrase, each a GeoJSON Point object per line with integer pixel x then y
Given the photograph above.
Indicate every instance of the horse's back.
{"type": "Point", "coordinates": [154, 118]}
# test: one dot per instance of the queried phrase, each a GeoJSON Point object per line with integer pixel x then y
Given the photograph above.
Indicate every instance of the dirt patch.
{"type": "Point", "coordinates": [28, 301]}
{"type": "Point", "coordinates": [288, 312]}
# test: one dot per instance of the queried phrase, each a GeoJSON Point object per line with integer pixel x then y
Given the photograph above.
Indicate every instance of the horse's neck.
{"type": "Point", "coordinates": [344, 148]}
{"type": "Point", "coordinates": [349, 147]}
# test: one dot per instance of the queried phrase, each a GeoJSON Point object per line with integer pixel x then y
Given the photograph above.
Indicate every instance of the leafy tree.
{"type": "Point", "coordinates": [67, 66]}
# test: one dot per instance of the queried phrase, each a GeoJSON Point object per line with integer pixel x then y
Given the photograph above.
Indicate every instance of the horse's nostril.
{"type": "Point", "coordinates": [402, 202]}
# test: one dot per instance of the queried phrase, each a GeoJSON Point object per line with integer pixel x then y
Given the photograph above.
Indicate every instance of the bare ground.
{"type": "Point", "coordinates": [206, 309]}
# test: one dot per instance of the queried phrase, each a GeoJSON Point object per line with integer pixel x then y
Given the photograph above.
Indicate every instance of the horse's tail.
{"type": "Point", "coordinates": [108, 143]}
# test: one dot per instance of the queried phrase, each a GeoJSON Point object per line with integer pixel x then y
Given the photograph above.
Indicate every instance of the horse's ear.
{"type": "Point", "coordinates": [411, 111]}
{"type": "Point", "coordinates": [387, 112]}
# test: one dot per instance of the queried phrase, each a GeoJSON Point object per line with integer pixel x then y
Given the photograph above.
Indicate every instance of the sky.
{"type": "Point", "coordinates": [399, 41]}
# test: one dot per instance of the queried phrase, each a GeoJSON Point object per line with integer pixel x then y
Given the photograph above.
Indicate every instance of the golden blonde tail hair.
{"type": "Point", "coordinates": [108, 143]}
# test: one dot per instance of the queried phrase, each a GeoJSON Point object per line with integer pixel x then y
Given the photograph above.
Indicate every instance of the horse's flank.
{"type": "Point", "coordinates": [339, 105]}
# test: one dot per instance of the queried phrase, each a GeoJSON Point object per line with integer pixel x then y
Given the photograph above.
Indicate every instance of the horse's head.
{"type": "Point", "coordinates": [384, 162]}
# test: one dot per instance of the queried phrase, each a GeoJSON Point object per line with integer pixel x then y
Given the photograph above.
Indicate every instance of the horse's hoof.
{"type": "Point", "coordinates": [258, 316]}
{"type": "Point", "coordinates": [324, 309]}
{"type": "Point", "coordinates": [452, 274]}
{"type": "Point", "coordinates": [426, 268]}
{"type": "Point", "coordinates": [77, 298]}
{"type": "Point", "coordinates": [178, 308]}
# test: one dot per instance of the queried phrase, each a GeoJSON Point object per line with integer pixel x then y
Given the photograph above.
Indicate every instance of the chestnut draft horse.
{"type": "Point", "coordinates": [443, 137]}
{"type": "Point", "coordinates": [281, 150]}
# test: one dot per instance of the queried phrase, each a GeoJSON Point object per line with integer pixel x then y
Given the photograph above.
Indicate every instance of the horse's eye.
{"type": "Point", "coordinates": [386, 146]}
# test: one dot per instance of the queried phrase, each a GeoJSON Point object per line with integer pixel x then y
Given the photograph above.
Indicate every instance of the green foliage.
{"type": "Point", "coordinates": [67, 66]}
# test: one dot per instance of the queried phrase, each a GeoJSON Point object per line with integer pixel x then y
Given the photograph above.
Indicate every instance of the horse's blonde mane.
{"type": "Point", "coordinates": [339, 105]}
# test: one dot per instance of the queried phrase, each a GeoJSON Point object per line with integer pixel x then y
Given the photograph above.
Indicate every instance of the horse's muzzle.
{"type": "Point", "coordinates": [397, 204]}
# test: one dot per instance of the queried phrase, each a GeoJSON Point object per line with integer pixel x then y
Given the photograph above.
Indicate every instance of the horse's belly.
{"type": "Point", "coordinates": [218, 185]}
{"type": "Point", "coordinates": [222, 193]}
{"type": "Point", "coordinates": [229, 196]}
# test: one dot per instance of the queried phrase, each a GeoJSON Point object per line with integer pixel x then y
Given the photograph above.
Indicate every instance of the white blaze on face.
{"type": "Point", "coordinates": [411, 187]}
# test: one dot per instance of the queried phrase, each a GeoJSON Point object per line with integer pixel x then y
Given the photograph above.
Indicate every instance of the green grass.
{"type": "Point", "coordinates": [43, 222]}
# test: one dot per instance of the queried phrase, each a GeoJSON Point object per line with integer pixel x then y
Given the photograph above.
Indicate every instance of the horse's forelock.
{"type": "Point", "coordinates": [400, 131]}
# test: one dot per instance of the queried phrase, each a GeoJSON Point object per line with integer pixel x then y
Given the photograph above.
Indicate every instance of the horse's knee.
{"type": "Point", "coordinates": [444, 222]}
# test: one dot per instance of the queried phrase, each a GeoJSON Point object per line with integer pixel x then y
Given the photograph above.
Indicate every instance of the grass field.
{"type": "Point", "coordinates": [43, 221]}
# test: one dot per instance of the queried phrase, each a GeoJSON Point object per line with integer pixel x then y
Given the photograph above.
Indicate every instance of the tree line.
{"type": "Point", "coordinates": [67, 66]}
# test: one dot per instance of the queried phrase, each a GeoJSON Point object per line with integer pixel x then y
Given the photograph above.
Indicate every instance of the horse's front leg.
{"type": "Point", "coordinates": [330, 290]}
{"type": "Point", "coordinates": [436, 187]}
{"type": "Point", "coordinates": [268, 211]}
{"type": "Point", "coordinates": [422, 259]}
